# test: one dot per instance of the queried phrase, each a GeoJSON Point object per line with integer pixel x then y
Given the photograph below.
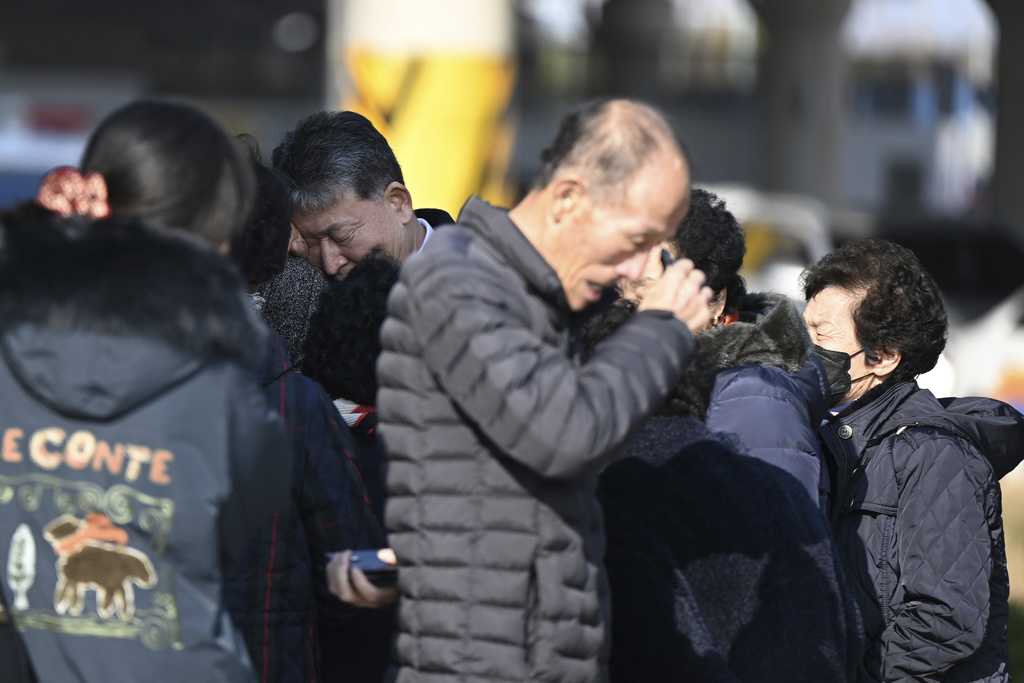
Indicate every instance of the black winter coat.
{"type": "Point", "coordinates": [721, 567]}
{"type": "Point", "coordinates": [917, 518]}
{"type": "Point", "coordinates": [137, 452]}
{"type": "Point", "coordinates": [494, 438]}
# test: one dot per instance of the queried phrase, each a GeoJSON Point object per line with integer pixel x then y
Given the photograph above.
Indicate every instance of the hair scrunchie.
{"type": "Point", "coordinates": [66, 191]}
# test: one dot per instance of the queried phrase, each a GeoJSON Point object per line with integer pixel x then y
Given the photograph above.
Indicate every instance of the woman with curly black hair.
{"type": "Point", "coordinates": [770, 393]}
{"type": "Point", "coordinates": [712, 238]}
{"type": "Point", "coordinates": [915, 496]}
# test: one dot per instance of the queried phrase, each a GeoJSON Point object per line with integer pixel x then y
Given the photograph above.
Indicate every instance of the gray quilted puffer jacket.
{"type": "Point", "coordinates": [494, 438]}
{"type": "Point", "coordinates": [917, 516]}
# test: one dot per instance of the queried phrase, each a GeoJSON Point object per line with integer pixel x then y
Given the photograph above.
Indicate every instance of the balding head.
{"type": "Point", "coordinates": [607, 142]}
{"type": "Point", "coordinates": [614, 183]}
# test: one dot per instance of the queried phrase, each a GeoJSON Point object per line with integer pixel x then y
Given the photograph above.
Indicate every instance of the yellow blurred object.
{"type": "Point", "coordinates": [1012, 486]}
{"type": "Point", "coordinates": [1011, 386]}
{"type": "Point", "coordinates": [761, 242]}
{"type": "Point", "coordinates": [444, 116]}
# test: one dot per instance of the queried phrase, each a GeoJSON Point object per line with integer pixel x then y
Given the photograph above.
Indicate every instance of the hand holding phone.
{"type": "Point", "coordinates": [379, 566]}
{"type": "Point", "coordinates": [357, 587]}
{"type": "Point", "coordinates": [666, 259]}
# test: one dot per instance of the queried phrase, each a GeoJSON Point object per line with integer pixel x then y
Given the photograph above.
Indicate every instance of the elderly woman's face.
{"type": "Point", "coordinates": [653, 269]}
{"type": "Point", "coordinates": [829, 318]}
{"type": "Point", "coordinates": [635, 289]}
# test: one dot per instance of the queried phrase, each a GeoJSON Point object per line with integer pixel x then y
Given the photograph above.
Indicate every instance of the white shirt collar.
{"type": "Point", "coordinates": [430, 231]}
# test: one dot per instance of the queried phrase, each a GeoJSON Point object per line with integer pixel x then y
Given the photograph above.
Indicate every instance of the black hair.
{"type": "Point", "coordinates": [343, 341]}
{"type": "Point", "coordinates": [171, 163]}
{"type": "Point", "coordinates": [260, 248]}
{"type": "Point", "coordinates": [693, 392]}
{"type": "Point", "coordinates": [712, 238]}
{"type": "Point", "coordinates": [902, 308]}
{"type": "Point", "coordinates": [330, 153]}
{"type": "Point", "coordinates": [608, 140]}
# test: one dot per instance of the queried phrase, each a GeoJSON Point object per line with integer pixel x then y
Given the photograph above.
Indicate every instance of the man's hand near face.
{"type": "Point", "coordinates": [681, 290]}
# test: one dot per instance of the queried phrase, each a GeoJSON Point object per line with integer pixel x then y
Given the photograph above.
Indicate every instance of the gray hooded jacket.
{"type": "Point", "coordinates": [137, 454]}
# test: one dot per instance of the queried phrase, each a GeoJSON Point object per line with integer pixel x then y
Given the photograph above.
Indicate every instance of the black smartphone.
{"type": "Point", "coordinates": [379, 571]}
{"type": "Point", "coordinates": [666, 259]}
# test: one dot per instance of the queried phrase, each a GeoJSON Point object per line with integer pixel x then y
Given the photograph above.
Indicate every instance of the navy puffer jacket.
{"type": "Point", "coordinates": [771, 392]}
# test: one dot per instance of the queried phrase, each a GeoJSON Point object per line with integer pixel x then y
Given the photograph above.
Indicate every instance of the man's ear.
{"type": "Point", "coordinates": [399, 198]}
{"type": "Point", "coordinates": [297, 244]}
{"type": "Point", "coordinates": [887, 363]}
{"type": "Point", "coordinates": [569, 196]}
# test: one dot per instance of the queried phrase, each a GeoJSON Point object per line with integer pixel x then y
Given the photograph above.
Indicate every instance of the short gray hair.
{"type": "Point", "coordinates": [330, 153]}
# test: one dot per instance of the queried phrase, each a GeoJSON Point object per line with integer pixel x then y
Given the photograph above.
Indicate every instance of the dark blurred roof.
{"type": "Point", "coordinates": [196, 47]}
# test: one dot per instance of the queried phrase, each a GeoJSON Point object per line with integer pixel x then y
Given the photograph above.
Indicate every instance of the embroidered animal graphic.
{"type": "Point", "coordinates": [93, 553]}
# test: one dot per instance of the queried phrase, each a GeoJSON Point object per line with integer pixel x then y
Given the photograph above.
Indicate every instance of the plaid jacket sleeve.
{"type": "Point", "coordinates": [331, 499]}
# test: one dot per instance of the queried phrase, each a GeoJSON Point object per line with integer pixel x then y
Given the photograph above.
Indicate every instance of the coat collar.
{"type": "Point", "coordinates": [126, 279]}
{"type": "Point", "coordinates": [495, 226]}
{"type": "Point", "coordinates": [770, 332]}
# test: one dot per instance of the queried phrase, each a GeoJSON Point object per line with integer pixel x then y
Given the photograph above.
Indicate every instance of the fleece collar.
{"type": "Point", "coordinates": [770, 332]}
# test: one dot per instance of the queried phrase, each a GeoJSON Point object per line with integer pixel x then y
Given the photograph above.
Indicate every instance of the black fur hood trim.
{"type": "Point", "coordinates": [126, 279]}
{"type": "Point", "coordinates": [770, 331]}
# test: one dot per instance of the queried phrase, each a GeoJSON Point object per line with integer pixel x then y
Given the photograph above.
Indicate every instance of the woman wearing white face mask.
{"type": "Point", "coordinates": [915, 497]}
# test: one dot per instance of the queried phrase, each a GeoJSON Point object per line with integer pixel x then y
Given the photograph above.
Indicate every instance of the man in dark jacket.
{"type": "Point", "coordinates": [915, 498]}
{"type": "Point", "coordinates": [494, 435]}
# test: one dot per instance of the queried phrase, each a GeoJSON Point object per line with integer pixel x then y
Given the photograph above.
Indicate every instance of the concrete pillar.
{"type": "Point", "coordinates": [803, 85]}
{"type": "Point", "coordinates": [1008, 180]}
{"type": "Point", "coordinates": [436, 79]}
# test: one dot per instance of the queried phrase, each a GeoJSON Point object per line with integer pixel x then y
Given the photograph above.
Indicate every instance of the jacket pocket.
{"type": "Point", "coordinates": [886, 572]}
{"type": "Point", "coordinates": [866, 537]}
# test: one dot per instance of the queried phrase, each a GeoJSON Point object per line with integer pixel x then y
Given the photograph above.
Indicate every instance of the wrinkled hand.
{"type": "Point", "coordinates": [353, 587]}
{"type": "Point", "coordinates": [681, 290]}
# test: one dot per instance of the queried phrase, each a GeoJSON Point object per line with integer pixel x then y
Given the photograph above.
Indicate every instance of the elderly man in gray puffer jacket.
{"type": "Point", "coordinates": [494, 435]}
